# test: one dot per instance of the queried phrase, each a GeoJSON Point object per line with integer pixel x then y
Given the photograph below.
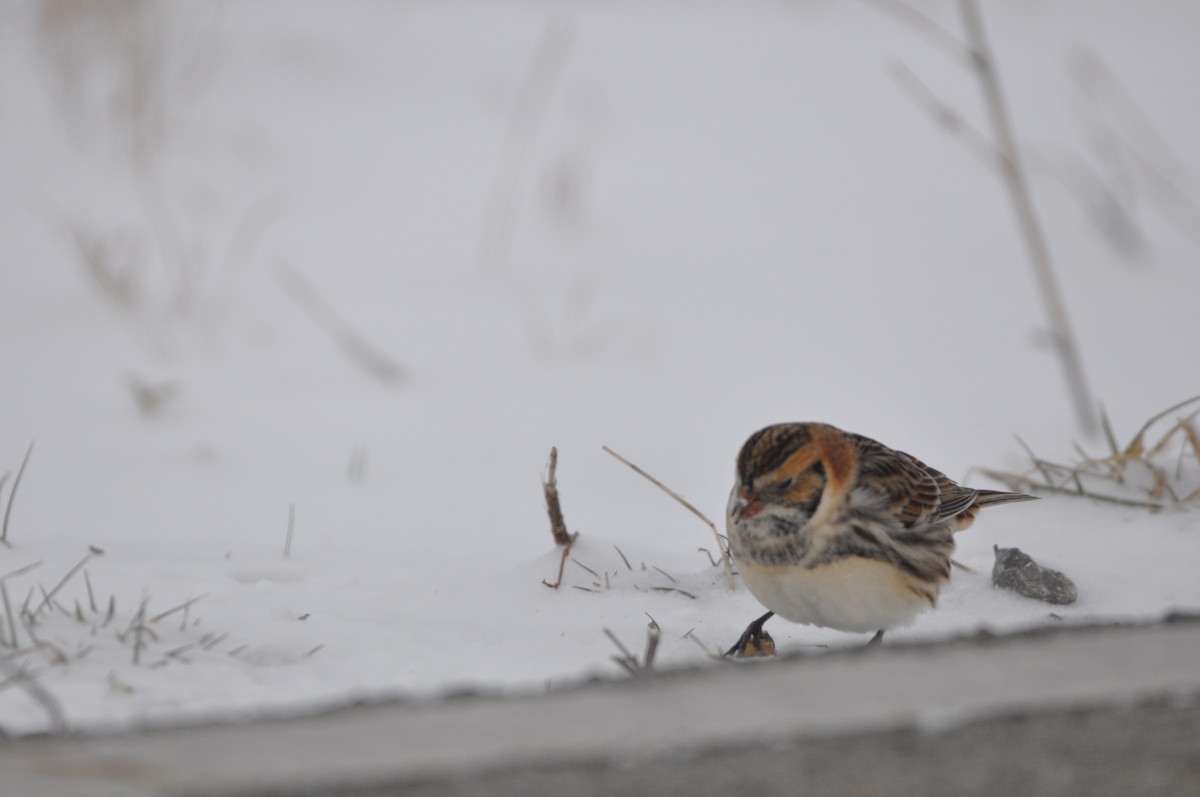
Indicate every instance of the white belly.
{"type": "Point", "coordinates": [851, 594]}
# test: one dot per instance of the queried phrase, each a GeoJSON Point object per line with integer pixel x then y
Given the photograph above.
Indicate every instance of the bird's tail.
{"type": "Point", "coordinates": [992, 497]}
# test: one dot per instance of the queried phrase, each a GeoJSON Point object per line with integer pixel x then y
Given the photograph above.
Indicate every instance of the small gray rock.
{"type": "Point", "coordinates": [1015, 570]}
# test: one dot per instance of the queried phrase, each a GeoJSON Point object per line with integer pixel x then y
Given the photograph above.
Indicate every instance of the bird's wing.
{"type": "Point", "coordinates": [914, 493]}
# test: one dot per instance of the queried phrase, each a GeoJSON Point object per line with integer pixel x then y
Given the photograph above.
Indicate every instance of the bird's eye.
{"type": "Point", "coordinates": [783, 485]}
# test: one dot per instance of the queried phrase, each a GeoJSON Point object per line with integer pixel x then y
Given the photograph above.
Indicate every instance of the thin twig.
{"type": "Point", "coordinates": [623, 558]}
{"type": "Point", "coordinates": [12, 495]}
{"type": "Point", "coordinates": [682, 592]}
{"type": "Point", "coordinates": [653, 634]}
{"type": "Point", "coordinates": [689, 507]}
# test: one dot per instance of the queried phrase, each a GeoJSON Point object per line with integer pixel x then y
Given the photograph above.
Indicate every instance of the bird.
{"type": "Point", "coordinates": [834, 529]}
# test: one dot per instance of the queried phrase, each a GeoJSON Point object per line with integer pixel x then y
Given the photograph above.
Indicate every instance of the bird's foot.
{"type": "Point", "coordinates": [754, 641]}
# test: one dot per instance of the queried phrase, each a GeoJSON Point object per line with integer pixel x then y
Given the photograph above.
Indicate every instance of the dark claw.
{"type": "Point", "coordinates": [754, 641]}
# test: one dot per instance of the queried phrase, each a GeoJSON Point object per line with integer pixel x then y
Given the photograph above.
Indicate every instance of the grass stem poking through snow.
{"type": "Point", "coordinates": [8, 613]}
{"type": "Point", "coordinates": [91, 595]}
{"type": "Point", "coordinates": [558, 524]}
{"type": "Point", "coordinates": [139, 627]}
{"type": "Point", "coordinates": [287, 542]}
{"type": "Point", "coordinates": [716, 534]}
{"type": "Point", "coordinates": [12, 495]}
{"type": "Point", "coordinates": [629, 662]}
{"type": "Point", "coordinates": [50, 595]}
{"type": "Point", "coordinates": [183, 607]}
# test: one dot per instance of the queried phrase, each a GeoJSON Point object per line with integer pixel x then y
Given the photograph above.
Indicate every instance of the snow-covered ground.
{"type": "Point", "coordinates": [656, 227]}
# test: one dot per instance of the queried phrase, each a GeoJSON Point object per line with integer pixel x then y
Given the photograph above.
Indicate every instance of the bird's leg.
{"type": "Point", "coordinates": [754, 641]}
{"type": "Point", "coordinates": [876, 640]}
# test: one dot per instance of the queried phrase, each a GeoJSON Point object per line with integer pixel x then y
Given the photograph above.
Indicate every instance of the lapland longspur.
{"type": "Point", "coordinates": [834, 529]}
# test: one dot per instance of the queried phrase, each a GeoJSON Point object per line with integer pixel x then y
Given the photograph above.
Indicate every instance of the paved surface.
{"type": "Point", "coordinates": [1099, 711]}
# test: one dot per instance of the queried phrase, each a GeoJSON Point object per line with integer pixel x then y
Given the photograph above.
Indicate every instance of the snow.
{"type": "Point", "coordinates": [711, 219]}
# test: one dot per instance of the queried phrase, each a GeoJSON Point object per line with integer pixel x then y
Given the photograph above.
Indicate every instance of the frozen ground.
{"type": "Point", "coordinates": [644, 226]}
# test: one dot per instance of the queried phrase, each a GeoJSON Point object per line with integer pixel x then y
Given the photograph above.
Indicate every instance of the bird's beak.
{"type": "Point", "coordinates": [748, 505]}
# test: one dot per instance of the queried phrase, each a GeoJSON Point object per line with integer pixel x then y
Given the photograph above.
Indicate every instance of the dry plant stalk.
{"type": "Point", "coordinates": [558, 525]}
{"type": "Point", "coordinates": [1002, 149]}
{"type": "Point", "coordinates": [562, 563]}
{"type": "Point", "coordinates": [716, 535]}
{"type": "Point", "coordinates": [1114, 468]}
{"type": "Point", "coordinates": [629, 662]}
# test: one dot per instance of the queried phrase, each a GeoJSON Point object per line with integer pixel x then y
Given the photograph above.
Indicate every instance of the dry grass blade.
{"type": "Point", "coordinates": [653, 634]}
{"type": "Point", "coordinates": [682, 592]}
{"type": "Point", "coordinates": [585, 567]}
{"type": "Point", "coordinates": [627, 661]}
{"type": "Point", "coordinates": [139, 629]}
{"type": "Point", "coordinates": [374, 362]}
{"type": "Point", "coordinates": [181, 607]}
{"type": "Point", "coordinates": [50, 595]}
{"type": "Point", "coordinates": [665, 573]}
{"type": "Point", "coordinates": [21, 571]}
{"type": "Point", "coordinates": [1137, 444]}
{"type": "Point", "coordinates": [12, 495]}
{"type": "Point", "coordinates": [716, 535]}
{"type": "Point", "coordinates": [1131, 469]}
{"type": "Point", "coordinates": [8, 613]}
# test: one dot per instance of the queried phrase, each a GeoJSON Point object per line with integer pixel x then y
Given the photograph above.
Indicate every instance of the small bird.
{"type": "Point", "coordinates": [834, 529]}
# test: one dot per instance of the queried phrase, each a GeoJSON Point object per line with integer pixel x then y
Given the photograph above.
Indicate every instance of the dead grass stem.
{"type": "Point", "coordinates": [721, 546]}
{"type": "Point", "coordinates": [1102, 478]}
